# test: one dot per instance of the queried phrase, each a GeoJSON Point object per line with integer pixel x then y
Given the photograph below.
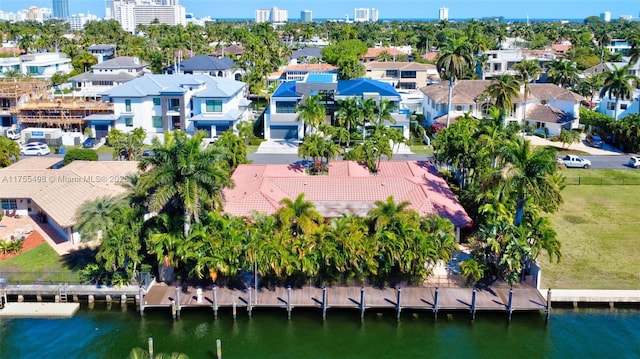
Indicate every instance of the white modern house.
{"type": "Point", "coordinates": [160, 103]}
{"type": "Point", "coordinates": [608, 103]}
{"type": "Point", "coordinates": [548, 106]}
{"type": "Point", "coordinates": [281, 115]}
{"type": "Point", "coordinates": [108, 74]}
{"type": "Point", "coordinates": [502, 61]}
{"type": "Point", "coordinates": [45, 65]}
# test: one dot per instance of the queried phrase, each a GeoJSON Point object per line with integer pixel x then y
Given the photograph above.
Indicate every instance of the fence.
{"type": "Point", "coordinates": [599, 181]}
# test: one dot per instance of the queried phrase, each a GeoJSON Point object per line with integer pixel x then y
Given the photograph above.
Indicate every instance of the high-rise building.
{"type": "Point", "coordinates": [77, 21]}
{"type": "Point", "coordinates": [131, 13]}
{"type": "Point", "coordinates": [606, 16]}
{"type": "Point", "coordinates": [274, 15]}
{"type": "Point", "coordinates": [361, 14]}
{"type": "Point", "coordinates": [306, 16]}
{"type": "Point", "coordinates": [444, 13]}
{"type": "Point", "coordinates": [60, 9]}
{"type": "Point", "coordinates": [374, 15]}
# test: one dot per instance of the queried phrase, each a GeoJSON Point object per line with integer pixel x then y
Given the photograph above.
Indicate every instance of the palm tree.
{"type": "Point", "coordinates": [96, 216]}
{"type": "Point", "coordinates": [9, 152]}
{"type": "Point", "coordinates": [530, 178]}
{"type": "Point", "coordinates": [527, 71]}
{"type": "Point", "coordinates": [562, 72]}
{"type": "Point", "coordinates": [182, 176]}
{"type": "Point", "coordinates": [311, 112]}
{"type": "Point", "coordinates": [386, 212]}
{"type": "Point", "coordinates": [120, 247]}
{"type": "Point", "coordinates": [502, 90]}
{"type": "Point", "coordinates": [453, 62]}
{"type": "Point", "coordinates": [617, 83]}
{"type": "Point", "coordinates": [299, 216]}
{"type": "Point", "coordinates": [350, 113]}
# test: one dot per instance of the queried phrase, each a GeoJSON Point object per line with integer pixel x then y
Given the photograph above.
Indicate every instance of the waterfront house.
{"type": "Point", "coordinates": [348, 188]}
{"type": "Point", "coordinates": [105, 75]}
{"type": "Point", "coordinates": [160, 103]}
{"type": "Point", "coordinates": [281, 116]}
{"type": "Point", "coordinates": [402, 75]}
{"type": "Point", "coordinates": [549, 107]}
{"type": "Point", "coordinates": [32, 187]}
{"type": "Point", "coordinates": [207, 65]}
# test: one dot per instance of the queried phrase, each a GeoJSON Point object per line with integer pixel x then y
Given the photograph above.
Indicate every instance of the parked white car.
{"type": "Point", "coordinates": [634, 162]}
{"type": "Point", "coordinates": [35, 149]}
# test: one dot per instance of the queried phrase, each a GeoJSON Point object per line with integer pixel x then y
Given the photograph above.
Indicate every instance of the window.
{"type": "Point", "coordinates": [127, 105]}
{"type": "Point", "coordinates": [9, 204]}
{"type": "Point", "coordinates": [408, 85]}
{"type": "Point", "coordinates": [611, 106]}
{"type": "Point", "coordinates": [408, 74]}
{"type": "Point", "coordinates": [156, 101]}
{"type": "Point", "coordinates": [391, 73]}
{"type": "Point", "coordinates": [128, 121]}
{"type": "Point", "coordinates": [286, 106]}
{"type": "Point", "coordinates": [214, 106]}
{"type": "Point", "coordinates": [623, 106]}
{"type": "Point", "coordinates": [157, 121]}
{"type": "Point", "coordinates": [174, 104]}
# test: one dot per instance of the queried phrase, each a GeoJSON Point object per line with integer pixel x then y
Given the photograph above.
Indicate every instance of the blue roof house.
{"type": "Point", "coordinates": [281, 116]}
{"type": "Point", "coordinates": [160, 103]}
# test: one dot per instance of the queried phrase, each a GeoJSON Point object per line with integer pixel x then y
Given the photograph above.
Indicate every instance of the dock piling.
{"type": "Point", "coordinates": [548, 308]}
{"type": "Point", "coordinates": [177, 301]}
{"type": "Point", "coordinates": [249, 307]}
{"type": "Point", "coordinates": [361, 303]}
{"type": "Point", "coordinates": [398, 306]}
{"type": "Point", "coordinates": [510, 304]}
{"type": "Point", "coordinates": [435, 303]}
{"type": "Point", "coordinates": [215, 301]}
{"type": "Point", "coordinates": [219, 348]}
{"type": "Point", "coordinates": [324, 303]}
{"type": "Point", "coordinates": [140, 301]}
{"type": "Point", "coordinates": [234, 310]}
{"type": "Point", "coordinates": [173, 309]}
{"type": "Point", "coordinates": [150, 347]}
{"type": "Point", "coordinates": [289, 301]}
{"type": "Point", "coordinates": [473, 305]}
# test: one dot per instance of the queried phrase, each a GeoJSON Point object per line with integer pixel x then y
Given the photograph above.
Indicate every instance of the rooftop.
{"type": "Point", "coordinates": [348, 188]}
{"type": "Point", "coordinates": [151, 84]}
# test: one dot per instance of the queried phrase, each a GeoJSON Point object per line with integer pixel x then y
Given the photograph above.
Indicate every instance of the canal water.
{"type": "Point", "coordinates": [112, 333]}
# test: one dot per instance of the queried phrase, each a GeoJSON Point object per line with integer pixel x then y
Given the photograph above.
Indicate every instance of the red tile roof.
{"type": "Point", "coordinates": [374, 52]}
{"type": "Point", "coordinates": [348, 188]}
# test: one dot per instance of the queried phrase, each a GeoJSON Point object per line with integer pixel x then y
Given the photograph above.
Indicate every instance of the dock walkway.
{"type": "Point", "coordinates": [594, 296]}
{"type": "Point", "coordinates": [359, 298]}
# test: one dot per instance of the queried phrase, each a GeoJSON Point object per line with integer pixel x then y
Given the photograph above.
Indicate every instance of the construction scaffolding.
{"type": "Point", "coordinates": [13, 91]}
{"type": "Point", "coordinates": [60, 113]}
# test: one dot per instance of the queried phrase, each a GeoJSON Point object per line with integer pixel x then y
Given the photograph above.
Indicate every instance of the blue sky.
{"type": "Point", "coordinates": [458, 9]}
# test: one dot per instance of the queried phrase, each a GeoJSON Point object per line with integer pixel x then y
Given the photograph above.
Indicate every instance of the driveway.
{"type": "Point", "coordinates": [607, 150]}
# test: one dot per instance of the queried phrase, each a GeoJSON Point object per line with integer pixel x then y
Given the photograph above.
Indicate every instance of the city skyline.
{"type": "Point", "coordinates": [388, 9]}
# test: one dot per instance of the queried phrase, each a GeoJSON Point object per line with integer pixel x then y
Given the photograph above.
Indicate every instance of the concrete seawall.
{"type": "Point", "coordinates": [593, 296]}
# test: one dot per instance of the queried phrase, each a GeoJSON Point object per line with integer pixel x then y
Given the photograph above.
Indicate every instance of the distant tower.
{"type": "Point", "coordinates": [60, 9]}
{"type": "Point", "coordinates": [306, 16]}
{"type": "Point", "coordinates": [374, 15]}
{"type": "Point", "coordinates": [444, 13]}
{"type": "Point", "coordinates": [361, 14]}
{"type": "Point", "coordinates": [606, 16]}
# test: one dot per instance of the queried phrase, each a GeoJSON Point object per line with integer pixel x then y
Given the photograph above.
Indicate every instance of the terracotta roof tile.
{"type": "Point", "coordinates": [374, 52]}
{"type": "Point", "coordinates": [348, 188]}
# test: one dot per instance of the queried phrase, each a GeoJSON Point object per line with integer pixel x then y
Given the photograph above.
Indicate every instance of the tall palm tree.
{"type": "Point", "coordinates": [502, 90]}
{"type": "Point", "coordinates": [350, 113]}
{"type": "Point", "coordinates": [299, 215]}
{"type": "Point", "coordinates": [96, 216]}
{"type": "Point", "coordinates": [182, 176]}
{"type": "Point", "coordinates": [453, 62]}
{"type": "Point", "coordinates": [386, 212]}
{"type": "Point", "coordinates": [530, 177]}
{"type": "Point", "coordinates": [527, 71]}
{"type": "Point", "coordinates": [617, 83]}
{"type": "Point", "coordinates": [311, 112]}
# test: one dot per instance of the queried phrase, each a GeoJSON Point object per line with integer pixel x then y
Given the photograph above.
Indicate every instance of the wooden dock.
{"type": "Point", "coordinates": [507, 300]}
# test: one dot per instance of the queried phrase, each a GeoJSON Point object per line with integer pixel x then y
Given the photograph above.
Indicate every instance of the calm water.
{"type": "Point", "coordinates": [101, 333]}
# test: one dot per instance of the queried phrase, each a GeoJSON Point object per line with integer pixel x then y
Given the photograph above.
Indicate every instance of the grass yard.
{"type": "Point", "coordinates": [421, 149]}
{"type": "Point", "coordinates": [598, 227]}
{"type": "Point", "coordinates": [601, 177]}
{"type": "Point", "coordinates": [41, 264]}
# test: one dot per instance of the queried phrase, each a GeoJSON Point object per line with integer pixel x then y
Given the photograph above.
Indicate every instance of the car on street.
{"type": "Point", "coordinates": [35, 149]}
{"type": "Point", "coordinates": [594, 141]}
{"type": "Point", "coordinates": [634, 162]}
{"type": "Point", "coordinates": [574, 161]}
{"type": "Point", "coordinates": [90, 142]}
{"type": "Point", "coordinates": [147, 153]}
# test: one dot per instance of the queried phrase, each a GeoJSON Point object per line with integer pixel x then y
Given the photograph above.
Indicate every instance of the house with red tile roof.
{"type": "Point", "coordinates": [373, 53]}
{"type": "Point", "coordinates": [348, 188]}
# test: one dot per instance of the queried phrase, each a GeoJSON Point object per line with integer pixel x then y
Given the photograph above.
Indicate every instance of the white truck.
{"type": "Point", "coordinates": [574, 161]}
{"type": "Point", "coordinates": [12, 134]}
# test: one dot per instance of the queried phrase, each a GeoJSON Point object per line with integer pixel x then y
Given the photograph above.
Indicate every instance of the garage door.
{"type": "Point", "coordinates": [102, 131]}
{"type": "Point", "coordinates": [284, 132]}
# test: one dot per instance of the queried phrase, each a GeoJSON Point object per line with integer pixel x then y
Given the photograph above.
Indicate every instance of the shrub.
{"type": "Point", "coordinates": [80, 154]}
{"type": "Point", "coordinates": [256, 141]}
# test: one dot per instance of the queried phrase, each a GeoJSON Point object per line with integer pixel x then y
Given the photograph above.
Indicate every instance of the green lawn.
{"type": "Point", "coordinates": [421, 149]}
{"type": "Point", "coordinates": [41, 264]}
{"type": "Point", "coordinates": [598, 229]}
{"type": "Point", "coordinates": [601, 177]}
